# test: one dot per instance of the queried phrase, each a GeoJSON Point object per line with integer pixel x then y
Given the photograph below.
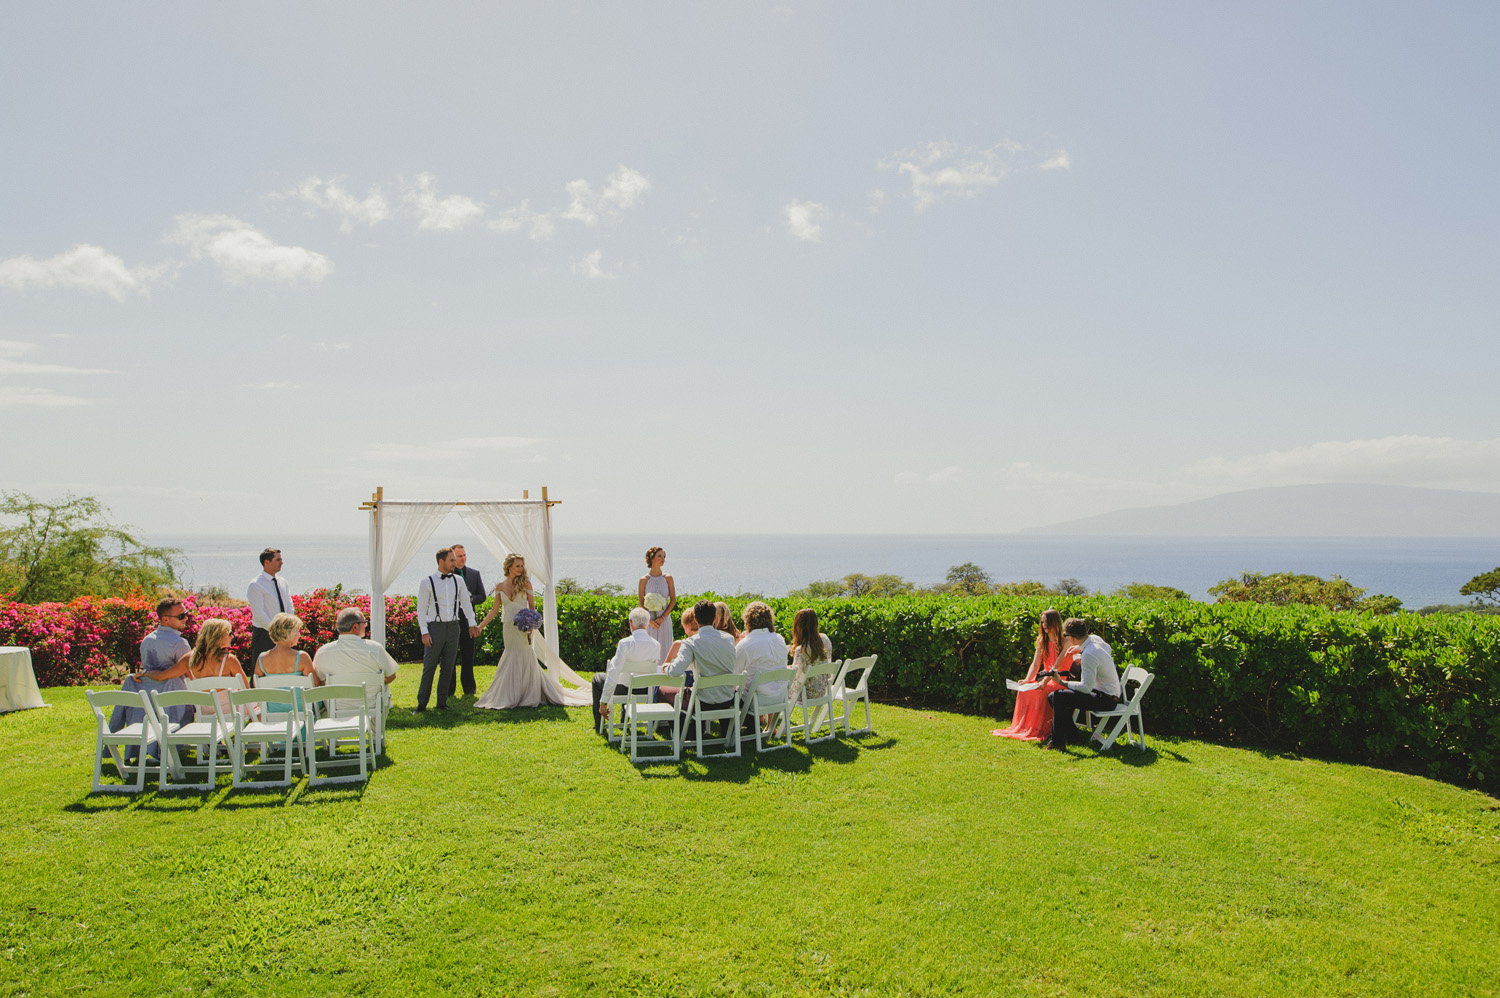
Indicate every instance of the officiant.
{"type": "Point", "coordinates": [466, 645]}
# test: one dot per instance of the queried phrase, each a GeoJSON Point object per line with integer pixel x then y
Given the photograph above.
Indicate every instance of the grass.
{"type": "Point", "coordinates": [507, 854]}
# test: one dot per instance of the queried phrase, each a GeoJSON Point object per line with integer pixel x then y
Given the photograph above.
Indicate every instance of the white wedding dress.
{"type": "Point", "coordinates": [520, 680]}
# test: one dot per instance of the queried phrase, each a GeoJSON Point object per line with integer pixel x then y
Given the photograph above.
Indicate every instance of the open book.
{"type": "Point", "coordinates": [1011, 684]}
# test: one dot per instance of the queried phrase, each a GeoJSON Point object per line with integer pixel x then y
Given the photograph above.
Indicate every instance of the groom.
{"type": "Point", "coordinates": [443, 608]}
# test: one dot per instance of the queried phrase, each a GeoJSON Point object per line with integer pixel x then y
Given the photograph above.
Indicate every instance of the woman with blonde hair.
{"type": "Point", "coordinates": [212, 658]}
{"type": "Point", "coordinates": [1032, 720]}
{"type": "Point", "coordinates": [520, 680]}
{"type": "Point", "coordinates": [284, 658]}
{"type": "Point", "coordinates": [724, 621]}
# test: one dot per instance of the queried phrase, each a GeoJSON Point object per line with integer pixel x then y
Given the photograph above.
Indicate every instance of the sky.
{"type": "Point", "coordinates": [743, 267]}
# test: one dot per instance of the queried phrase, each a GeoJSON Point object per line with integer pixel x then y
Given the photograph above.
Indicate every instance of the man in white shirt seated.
{"type": "Point", "coordinates": [1097, 688]}
{"type": "Point", "coordinates": [710, 652]}
{"type": "Point", "coordinates": [352, 658]}
{"type": "Point", "coordinates": [637, 654]}
{"type": "Point", "coordinates": [760, 650]}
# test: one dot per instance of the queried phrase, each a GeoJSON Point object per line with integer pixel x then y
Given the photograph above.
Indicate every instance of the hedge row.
{"type": "Point", "coordinates": [1421, 693]}
{"type": "Point", "coordinates": [1417, 692]}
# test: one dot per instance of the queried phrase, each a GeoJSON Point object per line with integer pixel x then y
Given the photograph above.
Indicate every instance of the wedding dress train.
{"type": "Point", "coordinates": [520, 680]}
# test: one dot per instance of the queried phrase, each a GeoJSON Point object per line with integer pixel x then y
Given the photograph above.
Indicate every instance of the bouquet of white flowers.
{"type": "Point", "coordinates": [655, 602]}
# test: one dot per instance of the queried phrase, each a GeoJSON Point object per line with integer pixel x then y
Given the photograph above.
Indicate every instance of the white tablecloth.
{"type": "Point", "coordinates": [18, 689]}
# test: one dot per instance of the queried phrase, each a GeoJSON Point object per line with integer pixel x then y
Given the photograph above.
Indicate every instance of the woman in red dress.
{"type": "Point", "coordinates": [1033, 717]}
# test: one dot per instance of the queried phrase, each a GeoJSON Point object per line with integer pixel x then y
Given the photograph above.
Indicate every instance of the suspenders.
{"type": "Point", "coordinates": [437, 607]}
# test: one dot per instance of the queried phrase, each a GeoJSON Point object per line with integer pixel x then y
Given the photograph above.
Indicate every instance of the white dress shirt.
{"type": "Point", "coordinates": [1097, 669]}
{"type": "Point", "coordinates": [451, 602]}
{"type": "Point", "coordinates": [636, 655]}
{"type": "Point", "coordinates": [262, 599]}
{"type": "Point", "coordinates": [352, 654]}
{"type": "Point", "coordinates": [710, 652]}
{"type": "Point", "coordinates": [760, 651]}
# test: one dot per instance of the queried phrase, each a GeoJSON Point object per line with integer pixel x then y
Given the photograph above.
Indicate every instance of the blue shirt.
{"type": "Point", "coordinates": [161, 649]}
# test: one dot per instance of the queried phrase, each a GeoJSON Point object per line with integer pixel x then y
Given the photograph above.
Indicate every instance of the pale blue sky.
{"type": "Point", "coordinates": [832, 267]}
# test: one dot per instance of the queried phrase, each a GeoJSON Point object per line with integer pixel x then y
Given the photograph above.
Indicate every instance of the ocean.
{"type": "Point", "coordinates": [1420, 571]}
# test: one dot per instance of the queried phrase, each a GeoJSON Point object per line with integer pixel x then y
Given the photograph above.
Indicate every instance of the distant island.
{"type": "Point", "coordinates": [1304, 511]}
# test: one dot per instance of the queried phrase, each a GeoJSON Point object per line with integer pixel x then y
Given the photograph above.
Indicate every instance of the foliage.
{"type": "Point", "coordinates": [968, 579]}
{"type": "Point", "coordinates": [1288, 589]}
{"type": "Point", "coordinates": [1457, 608]}
{"type": "Point", "coordinates": [1485, 588]}
{"type": "Point", "coordinates": [869, 866]}
{"type": "Point", "coordinates": [1147, 590]}
{"type": "Point", "coordinates": [569, 586]}
{"type": "Point", "coordinates": [854, 586]}
{"type": "Point", "coordinates": [1071, 587]}
{"type": "Point", "coordinates": [1026, 587]}
{"type": "Point", "coordinates": [67, 549]}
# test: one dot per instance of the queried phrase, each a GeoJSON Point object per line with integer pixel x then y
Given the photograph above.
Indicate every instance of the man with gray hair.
{"type": "Point", "coordinates": [635, 655]}
{"type": "Point", "coordinates": [354, 657]}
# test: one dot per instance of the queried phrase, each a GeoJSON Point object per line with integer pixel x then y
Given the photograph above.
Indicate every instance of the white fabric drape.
{"type": "Point", "coordinates": [397, 533]}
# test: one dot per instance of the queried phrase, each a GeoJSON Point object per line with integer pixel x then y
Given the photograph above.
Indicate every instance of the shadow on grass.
{"type": "Point", "coordinates": [796, 758]}
{"type": "Point", "coordinates": [402, 718]}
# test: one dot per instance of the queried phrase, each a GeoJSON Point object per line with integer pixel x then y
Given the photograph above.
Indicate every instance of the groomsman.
{"type": "Point", "coordinates": [267, 596]}
{"type": "Point", "coordinates": [443, 611]}
{"type": "Point", "coordinates": [467, 644]}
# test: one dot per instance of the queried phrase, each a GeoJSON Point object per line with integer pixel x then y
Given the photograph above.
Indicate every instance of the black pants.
{"type": "Point", "coordinates": [260, 642]}
{"type": "Point", "coordinates": [1064, 702]}
{"type": "Point", "coordinates": [466, 648]}
{"type": "Point", "coordinates": [598, 692]}
{"type": "Point", "coordinates": [443, 652]}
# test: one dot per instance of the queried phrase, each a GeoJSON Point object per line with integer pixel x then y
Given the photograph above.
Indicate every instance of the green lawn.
{"type": "Point", "coordinates": [516, 854]}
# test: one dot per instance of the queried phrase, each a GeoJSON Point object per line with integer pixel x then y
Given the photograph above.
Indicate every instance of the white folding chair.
{"type": "Point", "coordinates": [1129, 708]}
{"type": "Point", "coordinates": [283, 728]}
{"type": "Point", "coordinates": [761, 702]}
{"type": "Point", "coordinates": [204, 734]}
{"type": "Point", "coordinates": [846, 696]}
{"type": "Point", "coordinates": [376, 706]}
{"type": "Point", "coordinates": [700, 713]}
{"type": "Point", "coordinates": [337, 729]}
{"type": "Point", "coordinates": [640, 713]}
{"type": "Point", "coordinates": [139, 735]}
{"type": "Point", "coordinates": [816, 711]}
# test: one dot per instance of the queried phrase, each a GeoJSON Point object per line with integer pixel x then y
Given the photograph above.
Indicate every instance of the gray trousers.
{"type": "Point", "coordinates": [443, 651]}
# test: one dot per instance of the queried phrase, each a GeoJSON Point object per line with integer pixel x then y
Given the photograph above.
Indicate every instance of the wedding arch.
{"type": "Point", "coordinates": [400, 530]}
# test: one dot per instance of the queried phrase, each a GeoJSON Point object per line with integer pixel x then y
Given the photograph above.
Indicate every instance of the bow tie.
{"type": "Point", "coordinates": [447, 575]}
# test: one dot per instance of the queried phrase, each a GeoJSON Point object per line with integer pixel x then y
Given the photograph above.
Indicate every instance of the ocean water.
{"type": "Point", "coordinates": [1420, 571]}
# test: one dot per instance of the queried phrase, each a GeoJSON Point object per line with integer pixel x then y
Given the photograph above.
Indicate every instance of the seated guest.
{"type": "Point", "coordinates": [1032, 719]}
{"type": "Point", "coordinates": [284, 658]}
{"type": "Point", "coordinates": [353, 657]}
{"type": "Point", "coordinates": [635, 655]}
{"type": "Point", "coordinates": [669, 694]}
{"type": "Point", "coordinates": [724, 621]}
{"type": "Point", "coordinates": [212, 659]}
{"type": "Point", "coordinates": [710, 652]}
{"type": "Point", "coordinates": [1097, 689]}
{"type": "Point", "coordinates": [809, 647]}
{"type": "Point", "coordinates": [164, 665]}
{"type": "Point", "coordinates": [760, 650]}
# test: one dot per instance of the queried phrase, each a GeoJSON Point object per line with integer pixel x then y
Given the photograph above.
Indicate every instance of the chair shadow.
{"type": "Point", "coordinates": [1127, 755]}
{"type": "Point", "coordinates": [402, 719]}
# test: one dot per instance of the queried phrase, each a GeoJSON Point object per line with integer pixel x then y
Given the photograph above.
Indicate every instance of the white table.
{"type": "Point", "coordinates": [18, 689]}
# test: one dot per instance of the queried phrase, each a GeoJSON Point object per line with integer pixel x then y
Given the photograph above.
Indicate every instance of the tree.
{"type": "Point", "coordinates": [1147, 590]}
{"type": "Point", "coordinates": [852, 585]}
{"type": "Point", "coordinates": [1288, 589]}
{"type": "Point", "coordinates": [1071, 587]}
{"type": "Point", "coordinates": [569, 586]}
{"type": "Point", "coordinates": [968, 578]}
{"type": "Point", "coordinates": [62, 550]}
{"type": "Point", "coordinates": [1484, 588]}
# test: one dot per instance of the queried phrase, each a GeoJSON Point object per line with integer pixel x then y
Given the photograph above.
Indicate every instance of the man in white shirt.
{"type": "Point", "coordinates": [760, 650]}
{"type": "Point", "coordinates": [443, 607]}
{"type": "Point", "coordinates": [352, 654]}
{"type": "Point", "coordinates": [636, 655]}
{"type": "Point", "coordinates": [267, 596]}
{"type": "Point", "coordinates": [1097, 688]}
{"type": "Point", "coordinates": [710, 652]}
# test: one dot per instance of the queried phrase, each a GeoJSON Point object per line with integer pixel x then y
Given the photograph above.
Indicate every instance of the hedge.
{"type": "Point", "coordinates": [1421, 693]}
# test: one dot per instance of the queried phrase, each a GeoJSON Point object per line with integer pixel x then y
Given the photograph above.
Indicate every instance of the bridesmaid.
{"type": "Point", "coordinates": [1033, 717]}
{"type": "Point", "coordinates": [654, 581]}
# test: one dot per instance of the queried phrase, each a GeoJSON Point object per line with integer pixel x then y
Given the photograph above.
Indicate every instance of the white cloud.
{"type": "Point", "coordinates": [1437, 462]}
{"type": "Point", "coordinates": [591, 268]}
{"type": "Point", "coordinates": [243, 252]}
{"type": "Point", "coordinates": [521, 217]}
{"type": "Point", "coordinates": [447, 214]}
{"type": "Point", "coordinates": [942, 170]}
{"type": "Point", "coordinates": [330, 195]}
{"type": "Point", "coordinates": [624, 188]}
{"type": "Point", "coordinates": [16, 396]}
{"type": "Point", "coordinates": [876, 200]}
{"type": "Point", "coordinates": [1059, 160]}
{"type": "Point", "coordinates": [275, 386]}
{"type": "Point", "coordinates": [952, 473]}
{"type": "Point", "coordinates": [804, 219]}
{"type": "Point", "coordinates": [443, 450]}
{"type": "Point", "coordinates": [85, 267]}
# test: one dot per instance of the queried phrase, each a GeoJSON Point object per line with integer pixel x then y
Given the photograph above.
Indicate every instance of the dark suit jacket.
{"type": "Point", "coordinates": [477, 595]}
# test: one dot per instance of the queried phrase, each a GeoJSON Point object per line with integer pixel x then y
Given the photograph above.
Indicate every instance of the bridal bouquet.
{"type": "Point", "coordinates": [656, 602]}
{"type": "Point", "coordinates": [527, 620]}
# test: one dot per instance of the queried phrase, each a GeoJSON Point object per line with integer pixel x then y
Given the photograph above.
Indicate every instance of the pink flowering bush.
{"type": "Point", "coordinates": [88, 639]}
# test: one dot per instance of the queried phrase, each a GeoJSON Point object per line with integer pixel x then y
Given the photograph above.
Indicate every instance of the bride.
{"type": "Point", "coordinates": [520, 681]}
